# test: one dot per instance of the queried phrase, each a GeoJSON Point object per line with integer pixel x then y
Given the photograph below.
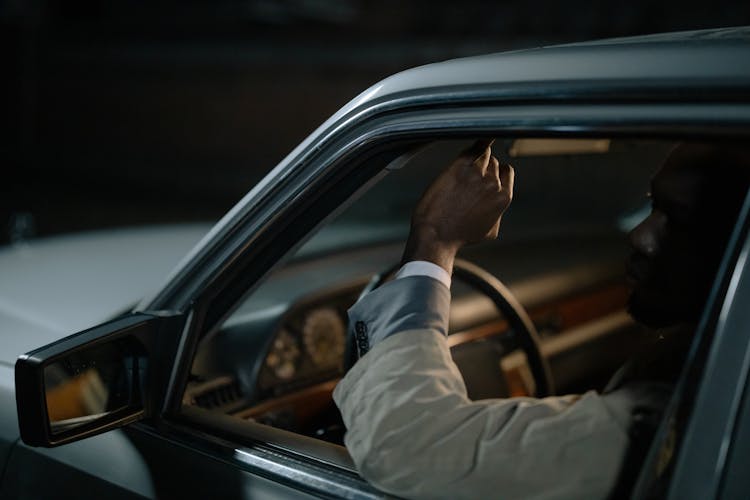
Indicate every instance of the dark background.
{"type": "Point", "coordinates": [127, 112]}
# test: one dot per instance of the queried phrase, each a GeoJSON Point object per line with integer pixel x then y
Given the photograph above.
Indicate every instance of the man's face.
{"type": "Point", "coordinates": [677, 248]}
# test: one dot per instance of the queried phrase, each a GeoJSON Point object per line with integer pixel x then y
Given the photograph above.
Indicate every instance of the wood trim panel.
{"type": "Point", "coordinates": [559, 316]}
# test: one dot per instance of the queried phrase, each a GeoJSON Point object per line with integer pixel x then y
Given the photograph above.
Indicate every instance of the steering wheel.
{"type": "Point", "coordinates": [516, 316]}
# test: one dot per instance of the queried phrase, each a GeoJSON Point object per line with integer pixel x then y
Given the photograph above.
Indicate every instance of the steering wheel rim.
{"type": "Point", "coordinates": [504, 300]}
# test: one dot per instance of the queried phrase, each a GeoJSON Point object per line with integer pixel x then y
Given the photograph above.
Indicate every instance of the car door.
{"type": "Point", "coordinates": [315, 181]}
{"type": "Point", "coordinates": [703, 440]}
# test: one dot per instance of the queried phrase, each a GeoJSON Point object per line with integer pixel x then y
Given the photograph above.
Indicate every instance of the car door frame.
{"type": "Point", "coordinates": [710, 403]}
{"type": "Point", "coordinates": [331, 168]}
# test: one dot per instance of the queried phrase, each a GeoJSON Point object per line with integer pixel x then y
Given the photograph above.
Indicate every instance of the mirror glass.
{"type": "Point", "coordinates": [92, 383]}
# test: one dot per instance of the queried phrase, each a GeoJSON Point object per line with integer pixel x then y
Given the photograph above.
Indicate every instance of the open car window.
{"type": "Point", "coordinates": [277, 357]}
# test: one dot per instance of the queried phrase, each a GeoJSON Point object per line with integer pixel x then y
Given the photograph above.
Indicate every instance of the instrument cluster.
{"type": "Point", "coordinates": [309, 346]}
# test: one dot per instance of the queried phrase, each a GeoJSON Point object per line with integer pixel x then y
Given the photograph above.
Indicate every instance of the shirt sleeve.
{"type": "Point", "coordinates": [419, 295]}
{"type": "Point", "coordinates": [401, 305]}
{"type": "Point", "coordinates": [424, 268]}
{"type": "Point", "coordinates": [413, 432]}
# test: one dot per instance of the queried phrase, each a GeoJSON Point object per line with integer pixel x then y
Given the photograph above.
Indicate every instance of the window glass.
{"type": "Point", "coordinates": [278, 356]}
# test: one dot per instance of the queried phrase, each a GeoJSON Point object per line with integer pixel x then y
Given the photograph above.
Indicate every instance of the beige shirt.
{"type": "Point", "coordinates": [413, 432]}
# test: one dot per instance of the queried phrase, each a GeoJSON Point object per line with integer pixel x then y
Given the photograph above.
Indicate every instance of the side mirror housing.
{"type": "Point", "coordinates": [90, 382]}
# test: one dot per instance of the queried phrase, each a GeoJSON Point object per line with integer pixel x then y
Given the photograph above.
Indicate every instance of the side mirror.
{"type": "Point", "coordinates": [87, 383]}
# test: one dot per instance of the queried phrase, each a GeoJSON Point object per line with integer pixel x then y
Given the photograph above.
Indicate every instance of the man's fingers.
{"type": "Point", "coordinates": [495, 230]}
{"type": "Point", "coordinates": [478, 148]}
{"type": "Point", "coordinates": [482, 161]}
{"type": "Point", "coordinates": [507, 177]}
{"type": "Point", "coordinates": [493, 169]}
{"type": "Point", "coordinates": [479, 154]}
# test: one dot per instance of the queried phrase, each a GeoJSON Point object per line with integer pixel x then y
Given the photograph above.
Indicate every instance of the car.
{"type": "Point", "coordinates": [217, 381]}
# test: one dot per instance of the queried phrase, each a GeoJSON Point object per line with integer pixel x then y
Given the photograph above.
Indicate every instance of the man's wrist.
{"type": "Point", "coordinates": [424, 244]}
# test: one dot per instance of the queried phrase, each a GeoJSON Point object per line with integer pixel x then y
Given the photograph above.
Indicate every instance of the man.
{"type": "Point", "coordinates": [413, 432]}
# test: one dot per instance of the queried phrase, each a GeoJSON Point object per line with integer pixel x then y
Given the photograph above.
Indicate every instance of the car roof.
{"type": "Point", "coordinates": [737, 33]}
{"type": "Point", "coordinates": [688, 65]}
{"type": "Point", "coordinates": [676, 59]}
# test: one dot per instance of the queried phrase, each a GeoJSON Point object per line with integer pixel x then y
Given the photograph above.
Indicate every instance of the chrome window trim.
{"type": "Point", "coordinates": [283, 465]}
{"type": "Point", "coordinates": [318, 479]}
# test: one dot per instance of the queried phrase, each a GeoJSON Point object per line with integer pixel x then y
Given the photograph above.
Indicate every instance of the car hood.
{"type": "Point", "coordinates": [53, 287]}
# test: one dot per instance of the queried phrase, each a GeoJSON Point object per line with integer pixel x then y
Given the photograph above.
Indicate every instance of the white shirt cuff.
{"type": "Point", "coordinates": [424, 268]}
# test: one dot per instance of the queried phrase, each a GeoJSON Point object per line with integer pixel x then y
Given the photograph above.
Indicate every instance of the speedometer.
{"type": "Point", "coordinates": [324, 336]}
{"type": "Point", "coordinates": [284, 355]}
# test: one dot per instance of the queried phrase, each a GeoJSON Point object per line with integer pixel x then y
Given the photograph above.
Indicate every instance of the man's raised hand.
{"type": "Point", "coordinates": [463, 205]}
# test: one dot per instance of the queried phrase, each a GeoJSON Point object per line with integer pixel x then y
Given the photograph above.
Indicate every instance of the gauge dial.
{"type": "Point", "coordinates": [284, 355]}
{"type": "Point", "coordinates": [324, 336]}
